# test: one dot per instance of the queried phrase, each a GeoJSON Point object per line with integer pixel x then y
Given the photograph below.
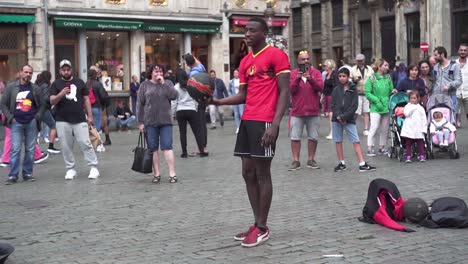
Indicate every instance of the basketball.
{"type": "Point", "coordinates": [200, 87]}
{"type": "Point", "coordinates": [415, 210]}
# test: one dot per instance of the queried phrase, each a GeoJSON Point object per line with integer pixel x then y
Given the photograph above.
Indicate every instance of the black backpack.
{"type": "Point", "coordinates": [447, 212]}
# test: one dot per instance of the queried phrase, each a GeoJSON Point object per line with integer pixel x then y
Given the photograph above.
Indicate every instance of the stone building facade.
{"type": "Point", "coordinates": [123, 37]}
{"type": "Point", "coordinates": [390, 29]}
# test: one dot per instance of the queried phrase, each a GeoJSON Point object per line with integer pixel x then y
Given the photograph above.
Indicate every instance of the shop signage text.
{"type": "Point", "coordinates": [97, 24]}
{"type": "Point", "coordinates": [176, 28]}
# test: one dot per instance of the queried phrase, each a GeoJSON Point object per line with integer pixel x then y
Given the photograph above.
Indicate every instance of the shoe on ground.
{"type": "Point", "coordinates": [11, 180]}
{"type": "Point", "coordinates": [383, 151]}
{"type": "Point", "coordinates": [295, 165]}
{"type": "Point", "coordinates": [366, 167]}
{"type": "Point", "coordinates": [422, 158]}
{"type": "Point", "coordinates": [330, 136]}
{"type": "Point", "coordinates": [28, 178]}
{"type": "Point", "coordinates": [408, 159]}
{"type": "Point", "coordinates": [100, 148]}
{"type": "Point", "coordinates": [312, 164]}
{"type": "Point", "coordinates": [340, 167]}
{"type": "Point", "coordinates": [4, 164]}
{"type": "Point", "coordinates": [237, 130]}
{"type": "Point", "coordinates": [173, 179]}
{"type": "Point", "coordinates": [213, 127]}
{"type": "Point", "coordinates": [53, 150]}
{"type": "Point", "coordinates": [93, 173]}
{"type": "Point", "coordinates": [256, 237]}
{"type": "Point", "coordinates": [243, 235]}
{"type": "Point", "coordinates": [221, 120]}
{"type": "Point", "coordinates": [203, 154]}
{"type": "Point", "coordinates": [184, 155]}
{"type": "Point", "coordinates": [107, 142]}
{"type": "Point", "coordinates": [43, 157]}
{"type": "Point", "coordinates": [371, 153]}
{"type": "Point", "coordinates": [70, 175]}
{"type": "Point", "coordinates": [365, 132]}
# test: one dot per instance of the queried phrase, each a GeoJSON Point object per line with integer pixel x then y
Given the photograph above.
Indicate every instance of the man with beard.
{"type": "Point", "coordinates": [462, 92]}
{"type": "Point", "coordinates": [264, 88]}
{"type": "Point", "coordinates": [447, 76]}
{"type": "Point", "coordinates": [306, 85]}
{"type": "Point", "coordinates": [23, 106]}
{"type": "Point", "coordinates": [69, 95]}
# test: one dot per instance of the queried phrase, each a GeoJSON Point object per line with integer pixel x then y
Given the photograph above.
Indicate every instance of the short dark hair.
{"type": "Point", "coordinates": [189, 59]}
{"type": "Point", "coordinates": [441, 50]}
{"type": "Point", "coordinates": [344, 70]}
{"type": "Point", "coordinates": [151, 69]}
{"type": "Point", "coordinates": [181, 78]}
{"type": "Point", "coordinates": [213, 71]}
{"type": "Point", "coordinates": [262, 22]}
{"type": "Point", "coordinates": [463, 44]}
{"type": "Point", "coordinates": [44, 77]}
{"type": "Point", "coordinates": [410, 67]}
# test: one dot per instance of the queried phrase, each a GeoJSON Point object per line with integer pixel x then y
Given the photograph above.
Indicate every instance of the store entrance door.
{"type": "Point", "coordinates": [68, 51]}
{"type": "Point", "coordinates": [388, 39]}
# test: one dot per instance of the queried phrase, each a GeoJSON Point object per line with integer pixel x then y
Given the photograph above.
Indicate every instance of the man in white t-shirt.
{"type": "Point", "coordinates": [359, 75]}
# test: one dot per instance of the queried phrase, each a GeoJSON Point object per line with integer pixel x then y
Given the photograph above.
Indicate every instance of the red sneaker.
{"type": "Point", "coordinates": [242, 236]}
{"type": "Point", "coordinates": [256, 237]}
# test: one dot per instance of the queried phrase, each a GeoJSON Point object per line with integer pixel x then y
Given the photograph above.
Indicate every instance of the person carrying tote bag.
{"type": "Point", "coordinates": [143, 157]}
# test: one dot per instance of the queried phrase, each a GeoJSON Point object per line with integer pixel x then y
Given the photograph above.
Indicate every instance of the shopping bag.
{"type": "Point", "coordinates": [94, 137]}
{"type": "Point", "coordinates": [143, 157]}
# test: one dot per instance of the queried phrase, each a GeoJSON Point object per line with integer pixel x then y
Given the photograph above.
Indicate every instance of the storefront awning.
{"type": "Point", "coordinates": [276, 22]}
{"type": "Point", "coordinates": [176, 28]}
{"type": "Point", "coordinates": [97, 24]}
{"type": "Point", "coordinates": [17, 19]}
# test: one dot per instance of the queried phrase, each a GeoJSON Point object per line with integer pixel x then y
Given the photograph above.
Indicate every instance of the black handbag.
{"type": "Point", "coordinates": [143, 158]}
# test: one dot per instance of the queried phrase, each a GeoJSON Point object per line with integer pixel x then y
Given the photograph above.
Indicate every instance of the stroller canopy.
{"type": "Point", "coordinates": [397, 99]}
{"type": "Point", "coordinates": [439, 100]}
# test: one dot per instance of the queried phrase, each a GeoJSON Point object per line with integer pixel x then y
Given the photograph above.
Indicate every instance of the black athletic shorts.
{"type": "Point", "coordinates": [249, 139]}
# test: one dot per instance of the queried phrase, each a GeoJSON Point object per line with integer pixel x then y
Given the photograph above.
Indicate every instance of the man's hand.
{"type": "Point", "coordinates": [141, 127]}
{"type": "Point", "coordinates": [394, 90]}
{"type": "Point", "coordinates": [90, 120]}
{"type": "Point", "coordinates": [306, 75]}
{"type": "Point", "coordinates": [65, 91]}
{"type": "Point", "coordinates": [212, 101]}
{"type": "Point", "coordinates": [445, 89]}
{"type": "Point", "coordinates": [270, 136]}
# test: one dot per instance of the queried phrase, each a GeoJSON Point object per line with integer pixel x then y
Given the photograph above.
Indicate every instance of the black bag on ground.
{"type": "Point", "coordinates": [143, 159]}
{"type": "Point", "coordinates": [447, 212]}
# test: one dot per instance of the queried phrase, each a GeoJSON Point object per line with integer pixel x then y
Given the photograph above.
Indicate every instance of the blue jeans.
{"type": "Point", "coordinates": [127, 122]}
{"type": "Point", "coordinates": [238, 110]}
{"type": "Point", "coordinates": [29, 133]}
{"type": "Point", "coordinates": [97, 118]}
{"type": "Point", "coordinates": [159, 134]}
{"type": "Point", "coordinates": [337, 132]}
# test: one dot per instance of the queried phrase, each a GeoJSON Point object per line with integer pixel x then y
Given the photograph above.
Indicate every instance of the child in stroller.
{"type": "Point", "coordinates": [441, 128]}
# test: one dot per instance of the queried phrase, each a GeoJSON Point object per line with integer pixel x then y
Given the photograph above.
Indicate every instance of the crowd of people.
{"type": "Point", "coordinates": [69, 107]}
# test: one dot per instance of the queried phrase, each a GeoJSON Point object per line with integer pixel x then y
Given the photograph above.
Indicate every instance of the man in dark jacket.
{"type": "Point", "coordinates": [344, 103]}
{"type": "Point", "coordinates": [219, 93]}
{"type": "Point", "coordinates": [23, 107]}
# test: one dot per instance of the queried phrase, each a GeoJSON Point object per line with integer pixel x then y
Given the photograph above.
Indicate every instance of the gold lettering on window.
{"type": "Point", "coordinates": [116, 2]}
{"type": "Point", "coordinates": [158, 2]}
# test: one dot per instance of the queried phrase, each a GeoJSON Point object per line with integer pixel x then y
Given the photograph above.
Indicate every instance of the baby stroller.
{"type": "Point", "coordinates": [396, 104]}
{"type": "Point", "coordinates": [442, 103]}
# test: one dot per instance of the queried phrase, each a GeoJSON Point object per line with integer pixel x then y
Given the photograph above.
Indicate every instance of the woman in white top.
{"type": "Point", "coordinates": [186, 112]}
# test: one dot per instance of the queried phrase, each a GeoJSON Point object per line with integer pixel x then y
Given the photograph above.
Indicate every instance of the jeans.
{"type": "Point", "coordinates": [29, 133]}
{"type": "Point", "coordinates": [97, 117]}
{"type": "Point", "coordinates": [238, 111]}
{"type": "Point", "coordinates": [159, 134]}
{"type": "Point", "coordinates": [7, 148]}
{"type": "Point", "coordinates": [127, 122]}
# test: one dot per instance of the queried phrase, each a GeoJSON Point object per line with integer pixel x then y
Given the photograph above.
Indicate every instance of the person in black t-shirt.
{"type": "Point", "coordinates": [69, 95]}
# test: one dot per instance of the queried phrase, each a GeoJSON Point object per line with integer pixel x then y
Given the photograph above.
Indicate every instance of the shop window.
{"type": "Point", "coordinates": [316, 18]}
{"type": "Point", "coordinates": [337, 8]}
{"type": "Point", "coordinates": [163, 49]}
{"type": "Point", "coordinates": [413, 37]}
{"type": "Point", "coordinates": [459, 22]}
{"type": "Point", "coordinates": [109, 51]}
{"type": "Point", "coordinates": [13, 51]}
{"type": "Point", "coordinates": [297, 20]}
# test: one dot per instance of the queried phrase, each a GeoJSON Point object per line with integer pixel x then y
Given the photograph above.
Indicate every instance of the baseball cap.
{"type": "Point", "coordinates": [65, 62]}
{"type": "Point", "coordinates": [360, 57]}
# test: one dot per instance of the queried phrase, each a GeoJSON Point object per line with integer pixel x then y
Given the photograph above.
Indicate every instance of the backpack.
{"type": "Point", "coordinates": [447, 212]}
{"type": "Point", "coordinates": [92, 97]}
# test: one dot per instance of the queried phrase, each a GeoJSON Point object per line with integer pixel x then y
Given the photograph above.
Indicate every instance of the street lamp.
{"type": "Point", "coordinates": [269, 14]}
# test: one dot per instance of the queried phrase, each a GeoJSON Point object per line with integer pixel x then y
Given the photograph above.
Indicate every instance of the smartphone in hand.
{"type": "Point", "coordinates": [302, 68]}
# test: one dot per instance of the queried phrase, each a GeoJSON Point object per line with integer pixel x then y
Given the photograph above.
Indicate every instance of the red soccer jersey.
{"type": "Point", "coordinates": [259, 73]}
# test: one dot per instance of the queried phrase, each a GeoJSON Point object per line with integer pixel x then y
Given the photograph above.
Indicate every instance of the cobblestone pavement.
{"type": "Point", "coordinates": [123, 218]}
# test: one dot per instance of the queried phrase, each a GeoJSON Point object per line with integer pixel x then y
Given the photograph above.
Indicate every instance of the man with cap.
{"type": "Point", "coordinates": [359, 74]}
{"type": "Point", "coordinates": [69, 95]}
{"type": "Point", "coordinates": [23, 107]}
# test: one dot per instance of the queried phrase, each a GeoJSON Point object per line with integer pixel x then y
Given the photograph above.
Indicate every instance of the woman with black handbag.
{"type": "Point", "coordinates": [155, 118]}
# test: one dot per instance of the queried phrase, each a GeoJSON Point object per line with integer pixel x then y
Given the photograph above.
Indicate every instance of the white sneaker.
{"type": "Point", "coordinates": [100, 148]}
{"type": "Point", "coordinates": [46, 140]}
{"type": "Point", "coordinates": [366, 132]}
{"type": "Point", "coordinates": [71, 174]}
{"type": "Point", "coordinates": [237, 131]}
{"type": "Point", "coordinates": [93, 173]}
{"type": "Point", "coordinates": [329, 136]}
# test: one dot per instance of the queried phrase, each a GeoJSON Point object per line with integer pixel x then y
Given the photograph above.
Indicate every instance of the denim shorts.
{"type": "Point", "coordinates": [159, 134]}
{"type": "Point", "coordinates": [337, 132]}
{"type": "Point", "coordinates": [312, 124]}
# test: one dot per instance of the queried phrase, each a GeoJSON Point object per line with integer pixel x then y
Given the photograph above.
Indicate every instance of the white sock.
{"type": "Point", "coordinates": [342, 162]}
{"type": "Point", "coordinates": [362, 163]}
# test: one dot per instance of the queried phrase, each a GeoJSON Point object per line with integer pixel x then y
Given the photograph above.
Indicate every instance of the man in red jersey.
{"type": "Point", "coordinates": [264, 88]}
